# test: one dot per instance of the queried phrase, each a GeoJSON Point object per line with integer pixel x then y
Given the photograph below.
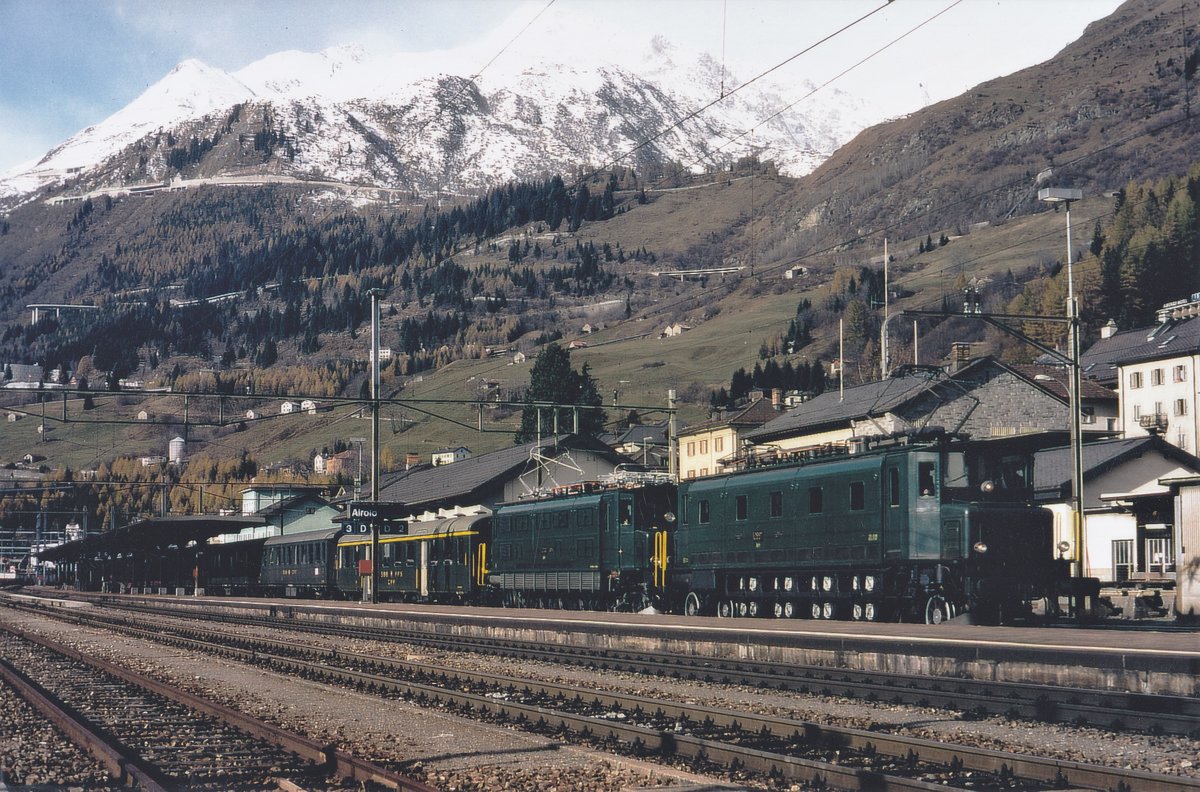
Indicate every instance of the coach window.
{"type": "Point", "coordinates": [816, 500]}
{"type": "Point", "coordinates": [858, 496]}
{"type": "Point", "coordinates": [925, 479]}
{"type": "Point", "coordinates": [776, 504]}
{"type": "Point", "coordinates": [742, 504]}
{"type": "Point", "coordinates": [893, 486]}
{"type": "Point", "coordinates": [704, 515]}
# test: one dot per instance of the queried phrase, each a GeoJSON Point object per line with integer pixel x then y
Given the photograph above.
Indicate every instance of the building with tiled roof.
{"type": "Point", "coordinates": [505, 475]}
{"type": "Point", "coordinates": [985, 398]}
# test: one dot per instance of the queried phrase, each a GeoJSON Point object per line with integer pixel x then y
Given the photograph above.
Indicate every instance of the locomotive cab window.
{"type": "Point", "coordinates": [742, 506]}
{"type": "Point", "coordinates": [926, 479]}
{"type": "Point", "coordinates": [816, 500]}
{"type": "Point", "coordinates": [703, 517]}
{"type": "Point", "coordinates": [626, 511]}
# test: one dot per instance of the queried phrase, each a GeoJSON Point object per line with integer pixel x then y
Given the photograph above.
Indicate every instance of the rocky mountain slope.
{"type": "Point", "coordinates": [339, 116]}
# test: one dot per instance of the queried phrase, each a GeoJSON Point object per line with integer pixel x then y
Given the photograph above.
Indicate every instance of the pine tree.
{"type": "Point", "coordinates": [552, 379]}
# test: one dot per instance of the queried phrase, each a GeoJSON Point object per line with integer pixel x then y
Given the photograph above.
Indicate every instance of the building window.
{"type": "Point", "coordinates": [703, 471]}
{"type": "Point", "coordinates": [1181, 406]}
{"type": "Point", "coordinates": [691, 473]}
{"type": "Point", "coordinates": [1156, 377]}
{"type": "Point", "coordinates": [703, 446]}
{"type": "Point", "coordinates": [858, 496]}
{"type": "Point", "coordinates": [1179, 374]}
{"type": "Point", "coordinates": [1135, 379]}
{"type": "Point", "coordinates": [691, 449]}
{"type": "Point", "coordinates": [742, 506]}
{"type": "Point", "coordinates": [1181, 441]}
{"type": "Point", "coordinates": [776, 504]}
{"type": "Point", "coordinates": [718, 444]}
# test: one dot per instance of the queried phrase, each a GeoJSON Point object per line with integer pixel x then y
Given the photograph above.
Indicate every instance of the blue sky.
{"type": "Point", "coordinates": [66, 64]}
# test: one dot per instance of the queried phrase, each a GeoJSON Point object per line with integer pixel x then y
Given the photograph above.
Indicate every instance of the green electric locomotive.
{"type": "Point", "coordinates": [919, 529]}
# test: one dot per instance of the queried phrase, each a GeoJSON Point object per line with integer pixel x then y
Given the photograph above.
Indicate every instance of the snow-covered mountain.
{"type": "Point", "coordinates": [340, 115]}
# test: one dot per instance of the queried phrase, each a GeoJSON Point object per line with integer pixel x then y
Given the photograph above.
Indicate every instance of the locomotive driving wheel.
{"type": "Point", "coordinates": [936, 610]}
{"type": "Point", "coordinates": [692, 605]}
{"type": "Point", "coordinates": [725, 609]}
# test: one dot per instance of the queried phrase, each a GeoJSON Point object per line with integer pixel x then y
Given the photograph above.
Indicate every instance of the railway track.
{"type": "Point", "coordinates": [1116, 710]}
{"type": "Point", "coordinates": [699, 736]}
{"type": "Point", "coordinates": [158, 737]}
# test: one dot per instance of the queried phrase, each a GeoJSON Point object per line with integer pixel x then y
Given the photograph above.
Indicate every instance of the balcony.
{"type": "Point", "coordinates": [1154, 422]}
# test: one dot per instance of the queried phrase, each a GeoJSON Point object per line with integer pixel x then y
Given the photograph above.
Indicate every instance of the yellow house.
{"type": "Point", "coordinates": [704, 447]}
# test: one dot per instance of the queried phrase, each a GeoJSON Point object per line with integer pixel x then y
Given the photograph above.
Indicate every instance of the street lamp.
{"type": "Point", "coordinates": [1067, 196]}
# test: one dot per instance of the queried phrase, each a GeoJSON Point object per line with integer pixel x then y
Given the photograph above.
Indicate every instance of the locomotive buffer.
{"type": "Point", "coordinates": [374, 519]}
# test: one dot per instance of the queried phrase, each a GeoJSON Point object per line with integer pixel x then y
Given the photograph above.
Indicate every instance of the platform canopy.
{"type": "Point", "coordinates": [156, 533]}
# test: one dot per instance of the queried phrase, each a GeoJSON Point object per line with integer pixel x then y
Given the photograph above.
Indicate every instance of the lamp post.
{"type": "Point", "coordinates": [1067, 196]}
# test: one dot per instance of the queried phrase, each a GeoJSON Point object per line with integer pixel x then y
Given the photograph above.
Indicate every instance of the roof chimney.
{"type": "Point", "coordinates": [1109, 330]}
{"type": "Point", "coordinates": [776, 399]}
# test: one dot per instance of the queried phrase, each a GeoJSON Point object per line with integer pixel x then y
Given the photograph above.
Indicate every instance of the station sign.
{"type": "Point", "coordinates": [364, 516]}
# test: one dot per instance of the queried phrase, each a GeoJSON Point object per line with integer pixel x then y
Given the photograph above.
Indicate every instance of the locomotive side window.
{"type": "Point", "coordinates": [893, 486]}
{"type": "Point", "coordinates": [626, 511]}
{"type": "Point", "coordinates": [704, 514]}
{"type": "Point", "coordinates": [858, 496]}
{"type": "Point", "coordinates": [742, 505]}
{"type": "Point", "coordinates": [925, 478]}
{"type": "Point", "coordinates": [776, 504]}
{"type": "Point", "coordinates": [816, 500]}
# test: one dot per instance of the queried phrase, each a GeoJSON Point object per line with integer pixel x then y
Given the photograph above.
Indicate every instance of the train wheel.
{"type": "Point", "coordinates": [691, 605]}
{"type": "Point", "coordinates": [725, 609]}
{"type": "Point", "coordinates": [778, 610]}
{"type": "Point", "coordinates": [816, 610]}
{"type": "Point", "coordinates": [856, 612]}
{"type": "Point", "coordinates": [827, 610]}
{"type": "Point", "coordinates": [789, 610]}
{"type": "Point", "coordinates": [936, 610]}
{"type": "Point", "coordinates": [742, 609]}
{"type": "Point", "coordinates": [752, 608]}
{"type": "Point", "coordinates": [869, 611]}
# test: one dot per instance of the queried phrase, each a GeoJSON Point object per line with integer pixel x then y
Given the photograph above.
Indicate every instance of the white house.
{"type": "Point", "coordinates": [311, 407]}
{"type": "Point", "coordinates": [319, 465]}
{"type": "Point", "coordinates": [251, 415]}
{"type": "Point", "coordinates": [1156, 373]}
{"type": "Point", "coordinates": [519, 357]}
{"type": "Point", "coordinates": [448, 456]}
{"type": "Point", "coordinates": [289, 407]}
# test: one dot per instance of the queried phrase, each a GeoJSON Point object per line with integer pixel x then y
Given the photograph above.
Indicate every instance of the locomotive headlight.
{"type": "Point", "coordinates": [980, 547]}
{"type": "Point", "coordinates": [788, 584]}
{"type": "Point", "coordinates": [868, 583]}
{"type": "Point", "coordinates": [753, 584]}
{"type": "Point", "coordinates": [669, 517]}
{"type": "Point", "coordinates": [987, 487]}
{"type": "Point", "coordinates": [1064, 547]}
{"type": "Point", "coordinates": [827, 583]}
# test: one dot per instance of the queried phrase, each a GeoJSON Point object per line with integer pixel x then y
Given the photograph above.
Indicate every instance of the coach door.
{"type": "Point", "coordinates": [610, 542]}
{"type": "Point", "coordinates": [896, 500]}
